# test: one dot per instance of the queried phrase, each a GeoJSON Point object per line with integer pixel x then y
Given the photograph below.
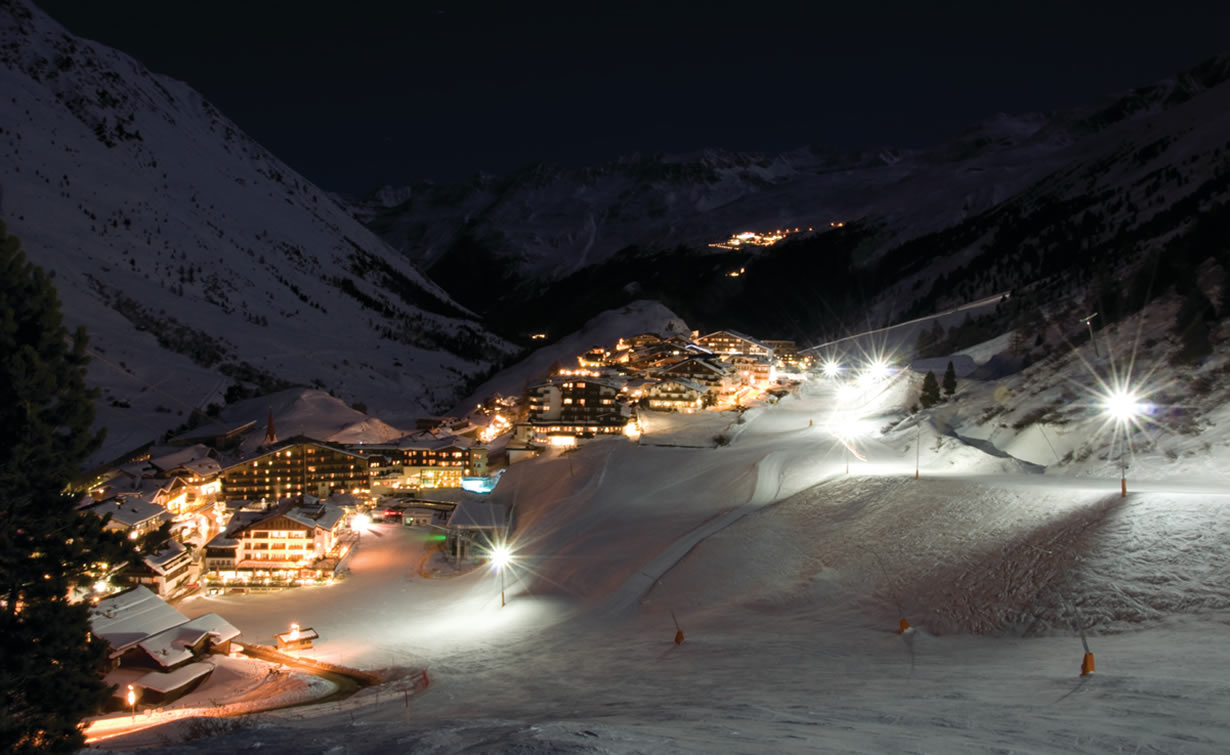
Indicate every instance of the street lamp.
{"type": "Point", "coordinates": [832, 368]}
{"type": "Point", "coordinates": [1088, 320]}
{"type": "Point", "coordinates": [500, 558]}
{"type": "Point", "coordinates": [132, 701]}
{"type": "Point", "coordinates": [1124, 407]}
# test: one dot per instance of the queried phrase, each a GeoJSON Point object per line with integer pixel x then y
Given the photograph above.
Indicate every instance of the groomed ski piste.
{"type": "Point", "coordinates": [789, 577]}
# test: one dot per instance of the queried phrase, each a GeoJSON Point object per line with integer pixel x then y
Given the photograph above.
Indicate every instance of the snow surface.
{"type": "Point", "coordinates": [788, 577]}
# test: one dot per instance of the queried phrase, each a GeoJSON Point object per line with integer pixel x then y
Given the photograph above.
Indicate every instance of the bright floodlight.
{"type": "Point", "coordinates": [500, 556]}
{"type": "Point", "coordinates": [1123, 405]}
{"type": "Point", "coordinates": [360, 522]}
{"type": "Point", "coordinates": [878, 369]}
{"type": "Point", "coordinates": [832, 368]}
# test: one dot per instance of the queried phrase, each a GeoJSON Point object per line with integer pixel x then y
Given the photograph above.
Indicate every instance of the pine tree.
{"type": "Point", "coordinates": [930, 395]}
{"type": "Point", "coordinates": [950, 380]}
{"type": "Point", "coordinates": [52, 665]}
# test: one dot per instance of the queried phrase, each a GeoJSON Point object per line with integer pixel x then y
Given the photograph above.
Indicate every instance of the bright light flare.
{"type": "Point", "coordinates": [1124, 405]}
{"type": "Point", "coordinates": [832, 368]}
{"type": "Point", "coordinates": [501, 557]}
{"type": "Point", "coordinates": [878, 370]}
{"type": "Point", "coordinates": [360, 522]}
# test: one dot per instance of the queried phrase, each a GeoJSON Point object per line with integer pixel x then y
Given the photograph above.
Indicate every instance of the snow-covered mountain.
{"type": "Point", "coordinates": [198, 261]}
{"type": "Point", "coordinates": [1011, 201]}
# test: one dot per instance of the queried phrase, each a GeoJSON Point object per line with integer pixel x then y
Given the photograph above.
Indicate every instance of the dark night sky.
{"type": "Point", "coordinates": [355, 94]}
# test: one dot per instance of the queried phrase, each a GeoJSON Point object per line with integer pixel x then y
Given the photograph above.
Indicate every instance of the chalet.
{"type": "Point", "coordinates": [298, 540]}
{"type": "Point", "coordinates": [713, 375]}
{"type": "Point", "coordinates": [676, 395]}
{"type": "Point", "coordinates": [752, 369]}
{"type": "Point", "coordinates": [658, 354]}
{"type": "Point", "coordinates": [134, 515]}
{"type": "Point", "coordinates": [734, 342]}
{"type": "Point", "coordinates": [156, 648]}
{"type": "Point", "coordinates": [197, 468]}
{"type": "Point", "coordinates": [166, 572]}
{"type": "Point", "coordinates": [295, 467]}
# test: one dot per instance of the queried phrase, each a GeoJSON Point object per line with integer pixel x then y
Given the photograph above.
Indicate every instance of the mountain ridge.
{"type": "Point", "coordinates": [204, 266]}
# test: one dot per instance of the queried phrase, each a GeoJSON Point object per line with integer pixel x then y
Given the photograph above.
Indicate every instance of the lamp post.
{"type": "Point", "coordinates": [500, 557]}
{"type": "Point", "coordinates": [1088, 320]}
{"type": "Point", "coordinates": [132, 701]}
{"type": "Point", "coordinates": [1124, 407]}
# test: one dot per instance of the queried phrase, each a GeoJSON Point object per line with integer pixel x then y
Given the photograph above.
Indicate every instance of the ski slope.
{"type": "Point", "coordinates": [788, 576]}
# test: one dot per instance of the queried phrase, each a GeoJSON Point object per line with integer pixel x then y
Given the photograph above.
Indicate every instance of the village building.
{"type": "Point", "coordinates": [134, 515]}
{"type": "Point", "coordinates": [197, 468]}
{"type": "Point", "coordinates": [787, 354]}
{"type": "Point", "coordinates": [676, 395]}
{"type": "Point", "coordinates": [564, 409]}
{"type": "Point", "coordinates": [167, 572]}
{"type": "Point", "coordinates": [594, 358]}
{"type": "Point", "coordinates": [297, 541]}
{"type": "Point", "coordinates": [154, 647]}
{"type": "Point", "coordinates": [752, 369]}
{"type": "Point", "coordinates": [713, 375]}
{"type": "Point", "coordinates": [420, 462]}
{"type": "Point", "coordinates": [734, 342]}
{"type": "Point", "coordinates": [296, 467]}
{"type": "Point", "coordinates": [660, 354]}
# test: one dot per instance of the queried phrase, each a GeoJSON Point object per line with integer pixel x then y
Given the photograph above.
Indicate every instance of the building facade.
{"type": "Point", "coordinates": [292, 542]}
{"type": "Point", "coordinates": [293, 468]}
{"type": "Point", "coordinates": [676, 395]}
{"type": "Point", "coordinates": [734, 342]}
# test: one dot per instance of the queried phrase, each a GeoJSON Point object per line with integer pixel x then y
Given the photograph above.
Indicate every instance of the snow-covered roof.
{"type": "Point", "coordinates": [472, 514]}
{"type": "Point", "coordinates": [181, 457]}
{"type": "Point", "coordinates": [322, 515]}
{"type": "Point", "coordinates": [174, 645]}
{"type": "Point", "coordinates": [692, 363]}
{"type": "Point", "coordinates": [287, 443]}
{"type": "Point", "coordinates": [127, 618]}
{"type": "Point", "coordinates": [169, 681]}
{"type": "Point", "coordinates": [420, 443]}
{"type": "Point", "coordinates": [130, 511]}
{"type": "Point", "coordinates": [172, 552]}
